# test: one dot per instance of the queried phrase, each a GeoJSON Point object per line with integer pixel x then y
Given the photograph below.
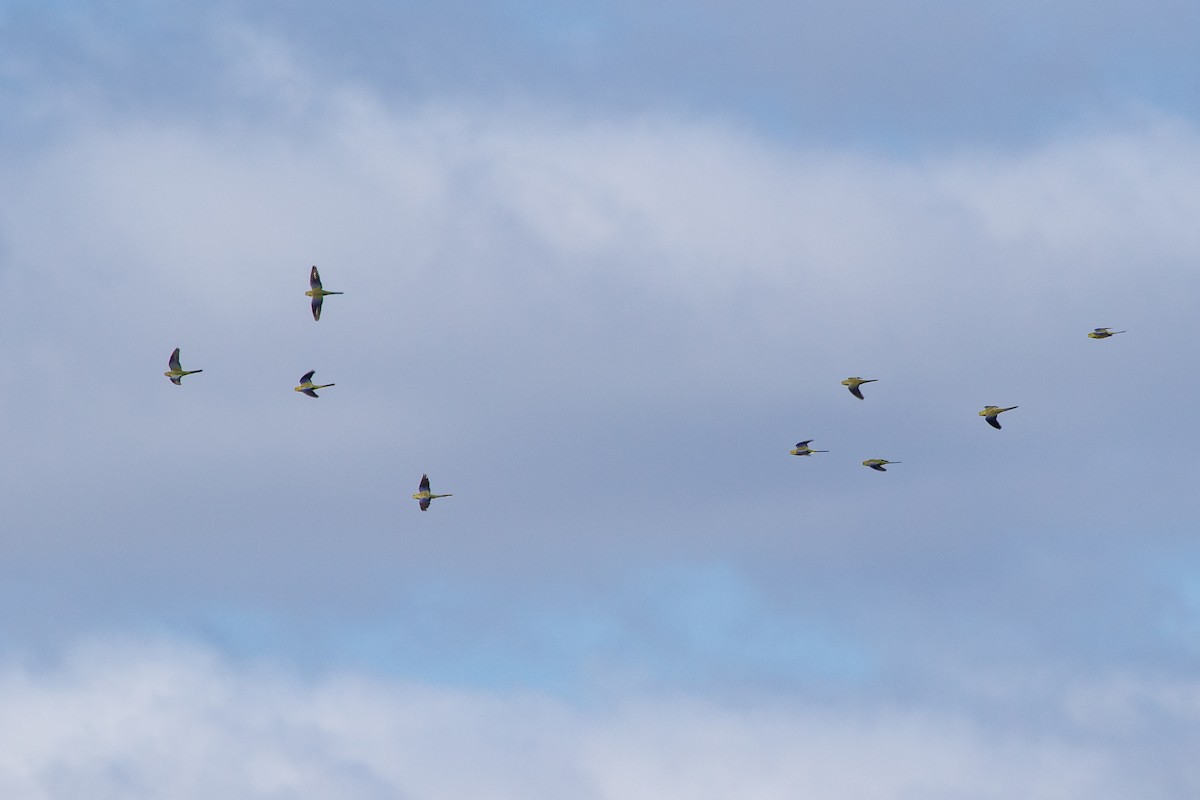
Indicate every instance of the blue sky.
{"type": "Point", "coordinates": [603, 266]}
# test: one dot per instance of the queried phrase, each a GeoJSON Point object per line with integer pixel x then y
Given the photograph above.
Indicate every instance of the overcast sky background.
{"type": "Point", "coordinates": [604, 264]}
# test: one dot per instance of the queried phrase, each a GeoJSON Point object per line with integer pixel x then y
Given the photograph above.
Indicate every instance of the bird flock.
{"type": "Point", "coordinates": [854, 384]}
{"type": "Point", "coordinates": [318, 293]}
{"type": "Point", "coordinates": [424, 496]}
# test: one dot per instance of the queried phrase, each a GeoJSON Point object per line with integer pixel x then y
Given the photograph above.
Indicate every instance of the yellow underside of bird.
{"type": "Point", "coordinates": [853, 383]}
{"type": "Point", "coordinates": [310, 388]}
{"type": "Point", "coordinates": [428, 496]}
{"type": "Point", "coordinates": [176, 374]}
{"type": "Point", "coordinates": [989, 413]}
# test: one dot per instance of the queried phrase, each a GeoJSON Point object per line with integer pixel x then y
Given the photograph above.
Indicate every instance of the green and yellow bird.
{"type": "Point", "coordinates": [878, 463]}
{"type": "Point", "coordinates": [176, 372]}
{"type": "Point", "coordinates": [425, 496]}
{"type": "Point", "coordinates": [854, 383]}
{"type": "Point", "coordinates": [802, 449]}
{"type": "Point", "coordinates": [308, 387]}
{"type": "Point", "coordinates": [1103, 333]}
{"type": "Point", "coordinates": [317, 293]}
{"type": "Point", "coordinates": [989, 413]}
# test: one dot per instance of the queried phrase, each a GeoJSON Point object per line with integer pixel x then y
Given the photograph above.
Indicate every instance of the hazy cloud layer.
{"type": "Point", "coordinates": [603, 338]}
{"type": "Point", "coordinates": [914, 77]}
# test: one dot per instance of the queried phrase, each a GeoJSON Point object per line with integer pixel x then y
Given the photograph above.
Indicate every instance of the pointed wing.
{"type": "Point", "coordinates": [803, 445]}
{"type": "Point", "coordinates": [314, 279]}
{"type": "Point", "coordinates": [309, 392]}
{"type": "Point", "coordinates": [878, 467]}
{"type": "Point", "coordinates": [174, 361]}
{"type": "Point", "coordinates": [854, 390]}
{"type": "Point", "coordinates": [991, 420]}
{"type": "Point", "coordinates": [424, 503]}
{"type": "Point", "coordinates": [424, 487]}
{"type": "Point", "coordinates": [306, 377]}
{"type": "Point", "coordinates": [317, 302]}
{"type": "Point", "coordinates": [177, 381]}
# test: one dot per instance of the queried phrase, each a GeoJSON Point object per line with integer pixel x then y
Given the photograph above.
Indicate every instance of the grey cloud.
{"type": "Point", "coordinates": [603, 338]}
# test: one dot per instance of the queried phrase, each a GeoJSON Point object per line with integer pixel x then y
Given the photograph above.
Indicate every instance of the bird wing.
{"type": "Point", "coordinates": [803, 445]}
{"type": "Point", "coordinates": [316, 307]}
{"type": "Point", "coordinates": [314, 279]}
{"type": "Point", "coordinates": [174, 360]}
{"type": "Point", "coordinates": [854, 390]}
{"type": "Point", "coordinates": [177, 381]}
{"type": "Point", "coordinates": [309, 392]}
{"type": "Point", "coordinates": [424, 503]}
{"type": "Point", "coordinates": [991, 420]}
{"type": "Point", "coordinates": [424, 487]}
{"type": "Point", "coordinates": [306, 377]}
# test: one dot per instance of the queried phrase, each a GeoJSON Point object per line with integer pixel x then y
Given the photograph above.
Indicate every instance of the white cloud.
{"type": "Point", "coordinates": [131, 721]}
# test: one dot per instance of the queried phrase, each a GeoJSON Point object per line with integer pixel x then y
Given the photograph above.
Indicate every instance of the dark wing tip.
{"type": "Point", "coordinates": [995, 423]}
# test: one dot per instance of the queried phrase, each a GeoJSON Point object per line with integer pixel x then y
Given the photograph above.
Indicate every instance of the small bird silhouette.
{"type": "Point", "coordinates": [989, 413]}
{"type": "Point", "coordinates": [877, 463]}
{"type": "Point", "coordinates": [175, 373]}
{"type": "Point", "coordinates": [425, 496]}
{"type": "Point", "coordinates": [307, 386]}
{"type": "Point", "coordinates": [854, 383]}
{"type": "Point", "coordinates": [1103, 333]}
{"type": "Point", "coordinates": [316, 292]}
{"type": "Point", "coordinates": [802, 449]}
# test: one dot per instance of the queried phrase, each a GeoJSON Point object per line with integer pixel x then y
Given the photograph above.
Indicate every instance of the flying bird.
{"type": "Point", "coordinates": [307, 386]}
{"type": "Point", "coordinates": [425, 496]}
{"type": "Point", "coordinates": [854, 383]}
{"type": "Point", "coordinates": [176, 372]}
{"type": "Point", "coordinates": [1103, 333]}
{"type": "Point", "coordinates": [989, 413]}
{"type": "Point", "coordinates": [316, 292]}
{"type": "Point", "coordinates": [877, 463]}
{"type": "Point", "coordinates": [802, 449]}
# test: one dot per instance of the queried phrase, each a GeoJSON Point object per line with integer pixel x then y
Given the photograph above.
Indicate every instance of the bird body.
{"type": "Point", "coordinates": [316, 292]}
{"type": "Point", "coordinates": [1103, 333]}
{"type": "Point", "coordinates": [424, 496]}
{"type": "Point", "coordinates": [854, 383]}
{"type": "Point", "coordinates": [989, 413]}
{"type": "Point", "coordinates": [176, 372]}
{"type": "Point", "coordinates": [308, 387]}
{"type": "Point", "coordinates": [802, 449]}
{"type": "Point", "coordinates": [878, 463]}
